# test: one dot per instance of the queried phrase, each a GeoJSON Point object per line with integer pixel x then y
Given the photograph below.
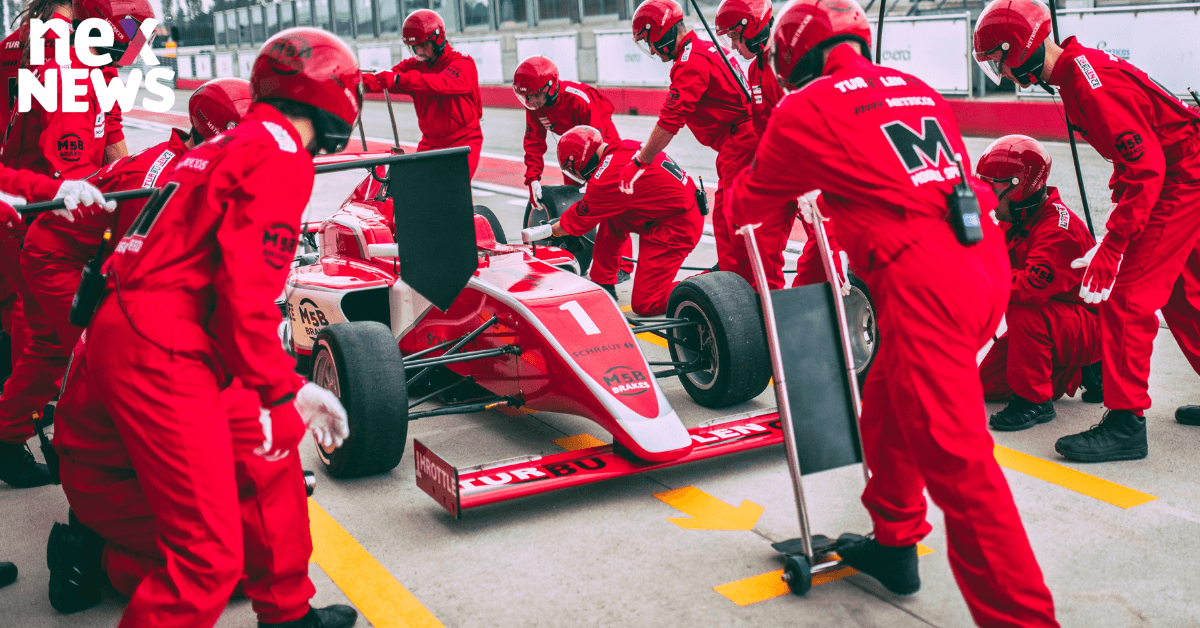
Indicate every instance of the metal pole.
{"type": "Point", "coordinates": [737, 77]}
{"type": "Point", "coordinates": [392, 114]}
{"type": "Point", "coordinates": [1195, 96]}
{"type": "Point", "coordinates": [781, 397]}
{"type": "Point", "coordinates": [879, 33]}
{"type": "Point", "coordinates": [1087, 212]}
{"type": "Point", "coordinates": [361, 131]}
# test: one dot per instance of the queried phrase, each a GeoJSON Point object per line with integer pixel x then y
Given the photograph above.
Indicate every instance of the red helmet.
{"type": "Point", "coordinates": [316, 68]}
{"type": "Point", "coordinates": [808, 27]}
{"type": "Point", "coordinates": [750, 19]}
{"type": "Point", "coordinates": [1017, 167]}
{"type": "Point", "coordinates": [536, 75]}
{"type": "Point", "coordinates": [115, 12]}
{"type": "Point", "coordinates": [218, 105]}
{"type": "Point", "coordinates": [577, 152]}
{"type": "Point", "coordinates": [654, 26]}
{"type": "Point", "coordinates": [424, 25]}
{"type": "Point", "coordinates": [1009, 34]}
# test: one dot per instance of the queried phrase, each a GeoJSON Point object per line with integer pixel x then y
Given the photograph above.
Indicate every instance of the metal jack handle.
{"type": "Point", "coordinates": [781, 397]}
{"type": "Point", "coordinates": [387, 97]}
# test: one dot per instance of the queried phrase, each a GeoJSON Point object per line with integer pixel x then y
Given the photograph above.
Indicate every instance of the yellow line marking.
{"type": "Point", "coordinates": [578, 441]}
{"type": "Point", "coordinates": [650, 338]}
{"type": "Point", "coordinates": [1067, 477]}
{"type": "Point", "coordinates": [707, 512]}
{"type": "Point", "coordinates": [771, 585]}
{"type": "Point", "coordinates": [381, 599]}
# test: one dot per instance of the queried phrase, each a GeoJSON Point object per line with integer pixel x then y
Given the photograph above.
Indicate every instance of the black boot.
{"type": "Point", "coordinates": [336, 616]}
{"type": "Point", "coordinates": [1188, 415]}
{"type": "Point", "coordinates": [609, 288]}
{"type": "Point", "coordinates": [623, 276]}
{"type": "Point", "coordinates": [8, 574]}
{"type": "Point", "coordinates": [895, 568]}
{"type": "Point", "coordinates": [73, 555]}
{"type": "Point", "coordinates": [1093, 384]}
{"type": "Point", "coordinates": [18, 468]}
{"type": "Point", "coordinates": [1121, 435]}
{"type": "Point", "coordinates": [1022, 414]}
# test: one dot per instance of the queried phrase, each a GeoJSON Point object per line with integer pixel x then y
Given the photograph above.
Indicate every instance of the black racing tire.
{"type": "Point", "coordinates": [864, 329]}
{"type": "Point", "coordinates": [730, 331]}
{"type": "Point", "coordinates": [361, 364]}
{"type": "Point", "coordinates": [497, 230]}
{"type": "Point", "coordinates": [557, 199]}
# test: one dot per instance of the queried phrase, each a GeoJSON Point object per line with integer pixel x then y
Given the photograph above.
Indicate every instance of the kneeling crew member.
{"type": "Point", "coordinates": [887, 174]}
{"type": "Point", "coordinates": [663, 212]}
{"type": "Point", "coordinates": [1053, 337]}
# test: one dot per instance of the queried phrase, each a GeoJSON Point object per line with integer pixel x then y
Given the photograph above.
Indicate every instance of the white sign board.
{"type": "Point", "coordinates": [561, 48]}
{"type": "Point", "coordinates": [224, 65]}
{"type": "Point", "coordinates": [375, 56]}
{"type": "Point", "coordinates": [620, 62]}
{"type": "Point", "coordinates": [935, 50]}
{"type": "Point", "coordinates": [183, 67]}
{"type": "Point", "coordinates": [245, 64]}
{"type": "Point", "coordinates": [204, 69]}
{"type": "Point", "coordinates": [1162, 42]}
{"type": "Point", "coordinates": [486, 53]}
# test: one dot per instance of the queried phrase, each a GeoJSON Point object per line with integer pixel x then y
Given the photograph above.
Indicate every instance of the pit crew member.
{"type": "Point", "coordinates": [886, 174]}
{"type": "Point", "coordinates": [189, 307]}
{"type": "Point", "coordinates": [1150, 257]}
{"type": "Point", "coordinates": [662, 210]}
{"type": "Point", "coordinates": [557, 106]}
{"type": "Point", "coordinates": [708, 100]}
{"type": "Point", "coordinates": [1053, 337]}
{"type": "Point", "coordinates": [443, 83]}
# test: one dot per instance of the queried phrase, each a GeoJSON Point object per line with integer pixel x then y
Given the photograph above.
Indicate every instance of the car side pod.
{"type": "Point", "coordinates": [816, 390]}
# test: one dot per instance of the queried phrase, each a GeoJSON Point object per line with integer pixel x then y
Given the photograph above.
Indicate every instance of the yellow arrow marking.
{"type": "Point", "coordinates": [382, 600]}
{"type": "Point", "coordinates": [578, 441]}
{"type": "Point", "coordinates": [1067, 477]}
{"type": "Point", "coordinates": [708, 512]}
{"type": "Point", "coordinates": [769, 585]}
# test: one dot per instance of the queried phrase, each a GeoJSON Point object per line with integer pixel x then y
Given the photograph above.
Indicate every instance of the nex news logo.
{"type": "Point", "coordinates": [92, 34]}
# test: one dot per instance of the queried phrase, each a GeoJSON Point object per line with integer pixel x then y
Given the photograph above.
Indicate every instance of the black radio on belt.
{"type": "Point", "coordinates": [964, 209]}
{"type": "Point", "coordinates": [91, 287]}
{"type": "Point", "coordinates": [702, 198]}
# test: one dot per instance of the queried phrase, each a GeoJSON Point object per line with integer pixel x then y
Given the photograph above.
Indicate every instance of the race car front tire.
{"type": "Point", "coordinates": [361, 364]}
{"type": "Point", "coordinates": [731, 333]}
{"type": "Point", "coordinates": [497, 230]}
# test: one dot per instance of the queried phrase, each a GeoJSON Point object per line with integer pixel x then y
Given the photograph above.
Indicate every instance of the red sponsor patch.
{"type": "Point", "coordinates": [1130, 146]}
{"type": "Point", "coordinates": [1040, 275]}
{"type": "Point", "coordinates": [279, 245]}
{"type": "Point", "coordinates": [452, 72]}
{"type": "Point", "coordinates": [70, 148]}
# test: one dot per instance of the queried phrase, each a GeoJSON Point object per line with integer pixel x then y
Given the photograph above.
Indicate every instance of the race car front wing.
{"type": "Point", "coordinates": [470, 487]}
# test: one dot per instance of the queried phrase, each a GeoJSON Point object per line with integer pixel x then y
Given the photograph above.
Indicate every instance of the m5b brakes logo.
{"type": "Point", "coordinates": [625, 381]}
{"type": "Point", "coordinates": [311, 318]}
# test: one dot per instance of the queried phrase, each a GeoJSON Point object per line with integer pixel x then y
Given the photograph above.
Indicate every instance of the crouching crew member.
{"type": "Point", "coordinates": [556, 107]}
{"type": "Point", "coordinates": [1053, 337]}
{"type": "Point", "coordinates": [886, 175]}
{"type": "Point", "coordinates": [443, 83]}
{"type": "Point", "coordinates": [708, 100]}
{"type": "Point", "coordinates": [1150, 257]}
{"type": "Point", "coordinates": [189, 307]}
{"type": "Point", "coordinates": [663, 212]}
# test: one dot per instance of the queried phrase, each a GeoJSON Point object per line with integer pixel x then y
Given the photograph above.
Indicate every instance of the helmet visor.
{"type": "Point", "coordinates": [531, 101]}
{"type": "Point", "coordinates": [992, 64]}
{"type": "Point", "coordinates": [643, 44]}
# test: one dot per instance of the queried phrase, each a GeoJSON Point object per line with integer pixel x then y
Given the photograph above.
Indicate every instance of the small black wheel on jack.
{"type": "Point", "coordinates": [310, 483]}
{"type": "Point", "coordinates": [797, 573]}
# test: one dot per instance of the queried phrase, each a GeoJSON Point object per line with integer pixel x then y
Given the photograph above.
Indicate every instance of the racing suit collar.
{"type": "Point", "coordinates": [844, 58]}
{"type": "Point", "coordinates": [262, 112]}
{"type": "Point", "coordinates": [688, 38]}
{"type": "Point", "coordinates": [178, 142]}
{"type": "Point", "coordinates": [1071, 49]}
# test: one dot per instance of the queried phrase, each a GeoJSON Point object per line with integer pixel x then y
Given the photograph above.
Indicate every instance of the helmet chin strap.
{"type": "Point", "coordinates": [1030, 72]}
{"type": "Point", "coordinates": [1019, 210]}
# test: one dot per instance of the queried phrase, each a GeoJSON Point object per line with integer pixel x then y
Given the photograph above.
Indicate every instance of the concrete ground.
{"type": "Point", "coordinates": [607, 554]}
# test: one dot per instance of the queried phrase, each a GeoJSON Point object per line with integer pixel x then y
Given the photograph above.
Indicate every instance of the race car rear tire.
{"type": "Point", "coordinates": [557, 199]}
{"type": "Point", "coordinates": [730, 331]}
{"type": "Point", "coordinates": [497, 230]}
{"type": "Point", "coordinates": [864, 331]}
{"type": "Point", "coordinates": [361, 364]}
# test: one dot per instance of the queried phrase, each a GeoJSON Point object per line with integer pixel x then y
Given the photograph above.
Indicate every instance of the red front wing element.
{"type": "Point", "coordinates": [460, 489]}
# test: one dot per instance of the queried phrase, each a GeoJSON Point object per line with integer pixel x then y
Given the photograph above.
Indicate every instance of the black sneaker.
{"type": "Point", "coordinates": [1188, 415]}
{"type": "Point", "coordinates": [1022, 414]}
{"type": "Point", "coordinates": [623, 276]}
{"type": "Point", "coordinates": [1093, 383]}
{"type": "Point", "coordinates": [73, 555]}
{"type": "Point", "coordinates": [896, 568]}
{"type": "Point", "coordinates": [18, 469]}
{"type": "Point", "coordinates": [336, 616]}
{"type": "Point", "coordinates": [609, 288]}
{"type": "Point", "coordinates": [8, 574]}
{"type": "Point", "coordinates": [1120, 435]}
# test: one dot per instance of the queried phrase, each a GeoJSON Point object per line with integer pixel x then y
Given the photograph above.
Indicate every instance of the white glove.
{"type": "Point", "coordinates": [323, 414]}
{"type": "Point", "coordinates": [1102, 264]}
{"type": "Point", "coordinates": [808, 206]}
{"type": "Point", "coordinates": [844, 279]}
{"type": "Point", "coordinates": [77, 193]}
{"type": "Point", "coordinates": [535, 194]}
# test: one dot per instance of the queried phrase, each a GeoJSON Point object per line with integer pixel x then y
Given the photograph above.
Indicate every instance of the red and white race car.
{"type": "Point", "coordinates": [526, 331]}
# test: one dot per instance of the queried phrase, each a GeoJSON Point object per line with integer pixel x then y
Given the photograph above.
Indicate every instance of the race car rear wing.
{"type": "Point", "coordinates": [505, 480]}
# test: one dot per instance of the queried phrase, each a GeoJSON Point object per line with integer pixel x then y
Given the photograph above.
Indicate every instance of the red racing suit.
{"type": "Point", "coordinates": [662, 211]}
{"type": "Point", "coordinates": [190, 306]}
{"type": "Point", "coordinates": [705, 98]}
{"type": "Point", "coordinates": [446, 97]}
{"type": "Point", "coordinates": [1153, 141]}
{"type": "Point", "coordinates": [1051, 333]}
{"type": "Point", "coordinates": [54, 254]}
{"type": "Point", "coordinates": [885, 171]}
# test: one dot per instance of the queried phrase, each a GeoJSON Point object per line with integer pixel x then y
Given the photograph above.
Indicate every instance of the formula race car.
{"type": "Point", "coordinates": [378, 312]}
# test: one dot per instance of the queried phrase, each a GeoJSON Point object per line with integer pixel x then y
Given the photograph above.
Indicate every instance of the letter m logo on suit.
{"type": "Point", "coordinates": [918, 149]}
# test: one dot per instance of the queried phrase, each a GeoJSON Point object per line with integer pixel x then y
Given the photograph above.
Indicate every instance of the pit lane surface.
{"type": "Point", "coordinates": [607, 555]}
